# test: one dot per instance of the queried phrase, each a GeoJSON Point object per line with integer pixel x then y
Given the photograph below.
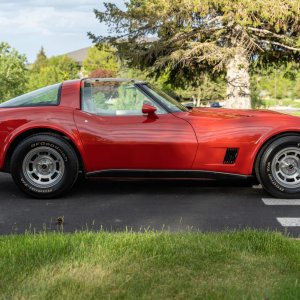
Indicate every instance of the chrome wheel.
{"type": "Point", "coordinates": [43, 167]}
{"type": "Point", "coordinates": [286, 167]}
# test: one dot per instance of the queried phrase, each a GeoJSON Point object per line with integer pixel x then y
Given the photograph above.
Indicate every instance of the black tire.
{"type": "Point", "coordinates": [44, 166]}
{"type": "Point", "coordinates": [278, 167]}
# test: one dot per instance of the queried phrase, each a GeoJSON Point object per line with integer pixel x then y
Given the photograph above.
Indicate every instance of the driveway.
{"type": "Point", "coordinates": [140, 205]}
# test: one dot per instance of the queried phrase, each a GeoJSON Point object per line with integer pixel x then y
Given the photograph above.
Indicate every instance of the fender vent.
{"type": "Point", "coordinates": [230, 156]}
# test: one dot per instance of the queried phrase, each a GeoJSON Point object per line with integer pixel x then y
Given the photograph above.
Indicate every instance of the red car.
{"type": "Point", "coordinates": [116, 127]}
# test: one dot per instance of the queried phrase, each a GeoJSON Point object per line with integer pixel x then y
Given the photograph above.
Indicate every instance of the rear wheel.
{"type": "Point", "coordinates": [44, 166]}
{"type": "Point", "coordinates": [278, 167]}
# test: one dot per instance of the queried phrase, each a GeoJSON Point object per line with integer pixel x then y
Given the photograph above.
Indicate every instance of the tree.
{"type": "Point", "coordinates": [53, 70]}
{"type": "Point", "coordinates": [276, 85]}
{"type": "Point", "coordinates": [297, 87]}
{"type": "Point", "coordinates": [191, 37]}
{"type": "Point", "coordinates": [104, 59]}
{"type": "Point", "coordinates": [12, 72]}
{"type": "Point", "coordinates": [205, 88]}
{"type": "Point", "coordinates": [41, 60]}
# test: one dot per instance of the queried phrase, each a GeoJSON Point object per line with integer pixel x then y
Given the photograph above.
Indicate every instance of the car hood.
{"type": "Point", "coordinates": [242, 124]}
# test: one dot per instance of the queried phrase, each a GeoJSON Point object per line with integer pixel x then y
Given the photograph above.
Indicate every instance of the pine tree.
{"type": "Point", "coordinates": [41, 60]}
{"type": "Point", "coordinates": [186, 38]}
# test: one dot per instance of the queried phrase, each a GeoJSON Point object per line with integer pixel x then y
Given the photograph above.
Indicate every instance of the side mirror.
{"type": "Point", "coordinates": [148, 109]}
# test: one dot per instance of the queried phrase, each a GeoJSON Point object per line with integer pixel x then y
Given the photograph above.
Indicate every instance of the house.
{"type": "Point", "coordinates": [79, 55]}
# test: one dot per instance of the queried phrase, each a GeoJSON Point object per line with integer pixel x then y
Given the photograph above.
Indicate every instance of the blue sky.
{"type": "Point", "coordinates": [60, 26]}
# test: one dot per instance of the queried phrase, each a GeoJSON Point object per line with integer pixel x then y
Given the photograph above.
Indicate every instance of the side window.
{"type": "Point", "coordinates": [113, 98]}
{"type": "Point", "coordinates": [47, 96]}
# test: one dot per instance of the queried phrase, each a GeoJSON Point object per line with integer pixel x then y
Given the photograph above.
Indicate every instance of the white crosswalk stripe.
{"type": "Point", "coordinates": [286, 202]}
{"type": "Point", "coordinates": [285, 222]}
{"type": "Point", "coordinates": [289, 222]}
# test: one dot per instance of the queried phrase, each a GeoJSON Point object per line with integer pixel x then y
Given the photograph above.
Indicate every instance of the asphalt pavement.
{"type": "Point", "coordinates": [176, 205]}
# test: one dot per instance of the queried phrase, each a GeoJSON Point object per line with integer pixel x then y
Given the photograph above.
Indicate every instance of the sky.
{"type": "Point", "coordinates": [60, 26]}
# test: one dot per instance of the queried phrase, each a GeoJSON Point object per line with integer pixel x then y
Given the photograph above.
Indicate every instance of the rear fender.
{"type": "Point", "coordinates": [38, 127]}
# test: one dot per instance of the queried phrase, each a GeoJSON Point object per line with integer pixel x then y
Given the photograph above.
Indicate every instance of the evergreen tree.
{"type": "Point", "coordinates": [41, 60]}
{"type": "Point", "coordinates": [186, 38]}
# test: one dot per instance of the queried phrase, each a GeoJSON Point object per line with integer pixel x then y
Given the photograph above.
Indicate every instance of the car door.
{"type": "Point", "coordinates": [117, 135]}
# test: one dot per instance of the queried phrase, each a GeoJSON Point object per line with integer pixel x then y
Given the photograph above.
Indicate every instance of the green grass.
{"type": "Point", "coordinates": [230, 265]}
{"type": "Point", "coordinates": [282, 102]}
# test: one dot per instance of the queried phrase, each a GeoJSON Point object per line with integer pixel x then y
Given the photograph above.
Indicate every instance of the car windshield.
{"type": "Point", "coordinates": [47, 96]}
{"type": "Point", "coordinates": [172, 104]}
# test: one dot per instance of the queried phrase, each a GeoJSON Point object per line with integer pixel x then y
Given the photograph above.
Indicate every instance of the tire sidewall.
{"type": "Point", "coordinates": [69, 159]}
{"type": "Point", "coordinates": [265, 169]}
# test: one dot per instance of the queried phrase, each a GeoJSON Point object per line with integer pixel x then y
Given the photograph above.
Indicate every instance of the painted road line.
{"type": "Point", "coordinates": [289, 222]}
{"type": "Point", "coordinates": [257, 187]}
{"type": "Point", "coordinates": [271, 201]}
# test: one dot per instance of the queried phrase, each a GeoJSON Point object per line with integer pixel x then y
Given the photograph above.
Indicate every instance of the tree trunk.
{"type": "Point", "coordinates": [238, 81]}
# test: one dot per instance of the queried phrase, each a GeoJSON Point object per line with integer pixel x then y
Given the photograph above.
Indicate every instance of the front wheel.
{"type": "Point", "coordinates": [44, 166]}
{"type": "Point", "coordinates": [278, 167]}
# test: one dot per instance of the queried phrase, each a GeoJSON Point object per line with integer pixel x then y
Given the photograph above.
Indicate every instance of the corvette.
{"type": "Point", "coordinates": [124, 128]}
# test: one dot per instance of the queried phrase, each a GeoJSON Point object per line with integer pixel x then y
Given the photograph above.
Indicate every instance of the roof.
{"type": "Point", "coordinates": [113, 79]}
{"type": "Point", "coordinates": [79, 55]}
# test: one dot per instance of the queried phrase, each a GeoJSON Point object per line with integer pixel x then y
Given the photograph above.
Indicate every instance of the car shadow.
{"type": "Point", "coordinates": [116, 186]}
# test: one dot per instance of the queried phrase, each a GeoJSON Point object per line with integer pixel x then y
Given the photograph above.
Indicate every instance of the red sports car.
{"type": "Point", "coordinates": [116, 127]}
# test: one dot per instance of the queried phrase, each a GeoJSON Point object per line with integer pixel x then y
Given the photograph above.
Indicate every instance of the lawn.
{"type": "Point", "coordinates": [229, 265]}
